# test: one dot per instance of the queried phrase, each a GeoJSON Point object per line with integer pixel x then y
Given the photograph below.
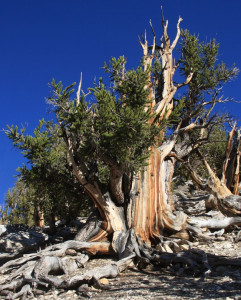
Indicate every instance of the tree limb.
{"type": "Point", "coordinates": [177, 35]}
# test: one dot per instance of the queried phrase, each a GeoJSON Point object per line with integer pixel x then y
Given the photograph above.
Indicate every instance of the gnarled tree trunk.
{"type": "Point", "coordinates": [143, 203]}
{"type": "Point", "coordinates": [152, 209]}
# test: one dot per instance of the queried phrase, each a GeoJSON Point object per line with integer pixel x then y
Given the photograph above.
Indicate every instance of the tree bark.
{"type": "Point", "coordinates": [151, 209]}
{"type": "Point", "coordinates": [38, 216]}
{"type": "Point", "coordinates": [234, 186]}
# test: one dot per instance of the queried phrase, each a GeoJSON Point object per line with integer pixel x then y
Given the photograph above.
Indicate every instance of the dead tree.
{"type": "Point", "coordinates": [228, 185]}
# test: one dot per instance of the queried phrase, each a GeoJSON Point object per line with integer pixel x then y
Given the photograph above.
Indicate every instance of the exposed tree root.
{"type": "Point", "coordinates": [59, 265]}
{"type": "Point", "coordinates": [63, 265]}
{"type": "Point", "coordinates": [112, 270]}
{"type": "Point", "coordinates": [4, 257]}
{"type": "Point", "coordinates": [25, 291]}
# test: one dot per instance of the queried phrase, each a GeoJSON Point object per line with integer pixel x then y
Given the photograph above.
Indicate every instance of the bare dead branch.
{"type": "Point", "coordinates": [164, 27]}
{"type": "Point", "coordinates": [237, 169]}
{"type": "Point", "coordinates": [79, 89]}
{"type": "Point", "coordinates": [227, 153]}
{"type": "Point", "coordinates": [153, 32]}
{"type": "Point", "coordinates": [188, 79]}
{"type": "Point", "coordinates": [177, 35]}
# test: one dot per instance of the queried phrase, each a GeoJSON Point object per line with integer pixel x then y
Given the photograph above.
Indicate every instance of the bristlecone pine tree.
{"type": "Point", "coordinates": [123, 149]}
{"type": "Point", "coordinates": [49, 185]}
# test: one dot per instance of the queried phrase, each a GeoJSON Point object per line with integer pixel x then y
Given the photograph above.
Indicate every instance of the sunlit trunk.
{"type": "Point", "coordinates": [151, 209]}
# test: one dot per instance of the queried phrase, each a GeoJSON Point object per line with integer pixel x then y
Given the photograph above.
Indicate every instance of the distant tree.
{"type": "Point", "coordinates": [214, 151]}
{"type": "Point", "coordinates": [3, 214]}
{"type": "Point", "coordinates": [20, 204]}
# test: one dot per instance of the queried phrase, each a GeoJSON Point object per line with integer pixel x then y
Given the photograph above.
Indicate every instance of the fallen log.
{"type": "Point", "coordinates": [215, 223]}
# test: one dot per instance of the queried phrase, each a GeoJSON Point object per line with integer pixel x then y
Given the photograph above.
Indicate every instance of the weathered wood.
{"type": "Point", "coordinates": [215, 223]}
{"type": "Point", "coordinates": [230, 206]}
{"type": "Point", "coordinates": [134, 216]}
{"type": "Point", "coordinates": [92, 227]}
{"type": "Point", "coordinates": [48, 266]}
{"type": "Point", "coordinates": [91, 248]}
{"type": "Point", "coordinates": [25, 291]}
{"type": "Point", "coordinates": [153, 207]}
{"type": "Point", "coordinates": [116, 184]}
{"type": "Point", "coordinates": [236, 176]}
{"type": "Point", "coordinates": [227, 153]}
{"type": "Point", "coordinates": [110, 271]}
{"type": "Point", "coordinates": [107, 208]}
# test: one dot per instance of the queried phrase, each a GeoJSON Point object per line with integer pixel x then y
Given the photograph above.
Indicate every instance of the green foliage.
{"type": "Point", "coordinates": [197, 102]}
{"type": "Point", "coordinates": [20, 204]}
{"type": "Point", "coordinates": [49, 172]}
{"type": "Point", "coordinates": [177, 113]}
{"type": "Point", "coordinates": [117, 125]}
{"type": "Point", "coordinates": [4, 214]}
{"type": "Point", "coordinates": [208, 74]}
{"type": "Point", "coordinates": [213, 150]}
{"type": "Point", "coordinates": [201, 58]}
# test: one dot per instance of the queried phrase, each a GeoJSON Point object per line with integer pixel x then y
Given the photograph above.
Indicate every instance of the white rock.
{"type": "Point", "coordinates": [3, 230]}
{"type": "Point", "coordinates": [184, 247]}
{"type": "Point", "coordinates": [167, 248]}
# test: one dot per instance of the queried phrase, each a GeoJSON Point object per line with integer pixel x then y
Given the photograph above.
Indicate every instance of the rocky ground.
{"type": "Point", "coordinates": [174, 282]}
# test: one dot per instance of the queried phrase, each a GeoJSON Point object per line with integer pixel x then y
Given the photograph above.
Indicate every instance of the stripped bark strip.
{"type": "Point", "coordinates": [227, 153]}
{"type": "Point", "coordinates": [237, 169]}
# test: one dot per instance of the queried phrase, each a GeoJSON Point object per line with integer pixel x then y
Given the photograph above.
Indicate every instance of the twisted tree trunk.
{"type": "Point", "coordinates": [142, 203]}
{"type": "Point", "coordinates": [152, 209]}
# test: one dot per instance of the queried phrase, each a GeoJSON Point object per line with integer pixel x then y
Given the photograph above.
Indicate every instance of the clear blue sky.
{"type": "Point", "coordinates": [42, 39]}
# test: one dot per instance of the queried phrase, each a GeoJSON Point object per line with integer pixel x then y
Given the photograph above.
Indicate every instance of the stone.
{"type": "Point", "coordinates": [71, 252]}
{"type": "Point", "coordinates": [177, 248]}
{"type": "Point", "coordinates": [160, 248]}
{"type": "Point", "coordinates": [181, 235]}
{"type": "Point", "coordinates": [228, 246]}
{"type": "Point", "coordinates": [184, 247]}
{"type": "Point", "coordinates": [195, 244]}
{"type": "Point", "coordinates": [220, 238]}
{"type": "Point", "coordinates": [104, 281]}
{"type": "Point", "coordinates": [3, 230]}
{"type": "Point", "coordinates": [167, 248]}
{"type": "Point", "coordinates": [18, 239]}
